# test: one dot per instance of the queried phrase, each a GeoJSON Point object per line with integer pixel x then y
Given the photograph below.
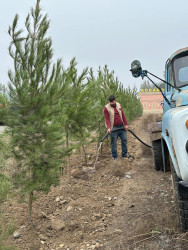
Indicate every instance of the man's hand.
{"type": "Point", "coordinates": [126, 127]}
{"type": "Point", "coordinates": [108, 130]}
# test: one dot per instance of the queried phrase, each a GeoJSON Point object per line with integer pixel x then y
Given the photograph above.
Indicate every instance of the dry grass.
{"type": "Point", "coordinates": [146, 151]}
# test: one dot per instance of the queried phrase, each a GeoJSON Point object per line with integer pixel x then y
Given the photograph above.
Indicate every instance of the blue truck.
{"type": "Point", "coordinates": [169, 137]}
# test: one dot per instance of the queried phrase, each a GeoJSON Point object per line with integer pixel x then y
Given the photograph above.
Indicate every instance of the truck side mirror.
{"type": "Point", "coordinates": [136, 68]}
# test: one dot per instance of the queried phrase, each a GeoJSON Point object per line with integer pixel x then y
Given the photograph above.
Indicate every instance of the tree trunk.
{"type": "Point", "coordinates": [30, 205]}
{"type": "Point", "coordinates": [38, 3]}
{"type": "Point", "coordinates": [84, 154]}
{"type": "Point", "coordinates": [68, 168]}
{"type": "Point", "coordinates": [101, 149]}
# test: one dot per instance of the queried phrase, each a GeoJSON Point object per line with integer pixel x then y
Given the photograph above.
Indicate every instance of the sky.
{"type": "Point", "coordinates": [99, 32]}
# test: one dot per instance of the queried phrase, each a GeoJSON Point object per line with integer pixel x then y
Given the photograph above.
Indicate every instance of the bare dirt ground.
{"type": "Point", "coordinates": [125, 204]}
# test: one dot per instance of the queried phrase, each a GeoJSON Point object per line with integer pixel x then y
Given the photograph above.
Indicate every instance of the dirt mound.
{"type": "Point", "coordinates": [124, 204]}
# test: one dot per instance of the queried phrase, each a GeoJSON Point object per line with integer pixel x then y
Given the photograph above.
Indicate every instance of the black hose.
{"type": "Point", "coordinates": [139, 139]}
{"type": "Point", "coordinates": [107, 134]}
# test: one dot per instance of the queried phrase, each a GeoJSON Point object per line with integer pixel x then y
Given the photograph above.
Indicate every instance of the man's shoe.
{"type": "Point", "coordinates": [127, 156]}
{"type": "Point", "coordinates": [115, 159]}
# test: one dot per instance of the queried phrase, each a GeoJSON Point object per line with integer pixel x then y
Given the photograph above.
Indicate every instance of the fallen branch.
{"type": "Point", "coordinates": [179, 239]}
{"type": "Point", "coordinates": [135, 236]}
{"type": "Point", "coordinates": [152, 237]}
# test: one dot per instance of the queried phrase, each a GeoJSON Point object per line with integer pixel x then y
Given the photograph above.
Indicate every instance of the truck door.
{"type": "Point", "coordinates": [168, 89]}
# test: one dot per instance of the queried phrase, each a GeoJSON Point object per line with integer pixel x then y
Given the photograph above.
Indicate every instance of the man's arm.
{"type": "Point", "coordinates": [124, 119]}
{"type": "Point", "coordinates": [107, 119]}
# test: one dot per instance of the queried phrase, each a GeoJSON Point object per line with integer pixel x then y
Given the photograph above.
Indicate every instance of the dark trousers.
{"type": "Point", "coordinates": [114, 136]}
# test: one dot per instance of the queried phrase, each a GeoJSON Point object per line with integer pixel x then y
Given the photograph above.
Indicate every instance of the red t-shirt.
{"type": "Point", "coordinates": [117, 118]}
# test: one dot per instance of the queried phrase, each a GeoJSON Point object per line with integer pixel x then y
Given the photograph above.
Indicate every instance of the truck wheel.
{"type": "Point", "coordinates": [181, 199]}
{"type": "Point", "coordinates": [157, 155]}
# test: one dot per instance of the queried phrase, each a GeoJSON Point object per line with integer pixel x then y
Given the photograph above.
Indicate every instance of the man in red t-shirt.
{"type": "Point", "coordinates": [116, 124]}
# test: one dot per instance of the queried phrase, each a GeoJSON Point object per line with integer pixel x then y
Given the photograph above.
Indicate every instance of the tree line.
{"type": "Point", "coordinates": [146, 84]}
{"type": "Point", "coordinates": [51, 110]}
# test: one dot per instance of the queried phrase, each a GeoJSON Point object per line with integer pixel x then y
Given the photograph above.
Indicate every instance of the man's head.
{"type": "Point", "coordinates": [112, 100]}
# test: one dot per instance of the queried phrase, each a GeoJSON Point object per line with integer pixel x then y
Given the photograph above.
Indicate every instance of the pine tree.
{"type": "Point", "coordinates": [3, 103]}
{"type": "Point", "coordinates": [4, 179]}
{"type": "Point", "coordinates": [33, 118]}
{"type": "Point", "coordinates": [76, 105]}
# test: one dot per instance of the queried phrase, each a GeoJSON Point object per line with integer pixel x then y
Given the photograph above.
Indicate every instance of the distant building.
{"type": "Point", "coordinates": [151, 99]}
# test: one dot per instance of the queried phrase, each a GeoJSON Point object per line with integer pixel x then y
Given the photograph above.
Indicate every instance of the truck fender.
{"type": "Point", "coordinates": [166, 156]}
{"type": "Point", "coordinates": [167, 152]}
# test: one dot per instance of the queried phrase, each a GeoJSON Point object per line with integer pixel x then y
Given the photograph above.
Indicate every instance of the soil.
{"type": "Point", "coordinates": [124, 204]}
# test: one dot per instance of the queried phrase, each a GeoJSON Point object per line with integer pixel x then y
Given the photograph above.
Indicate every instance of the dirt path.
{"type": "Point", "coordinates": [146, 212]}
{"type": "Point", "coordinates": [125, 204]}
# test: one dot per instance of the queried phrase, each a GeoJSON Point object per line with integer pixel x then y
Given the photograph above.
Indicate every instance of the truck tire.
{"type": "Point", "coordinates": [157, 155]}
{"type": "Point", "coordinates": [181, 200]}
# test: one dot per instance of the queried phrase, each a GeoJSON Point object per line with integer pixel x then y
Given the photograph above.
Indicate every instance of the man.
{"type": "Point", "coordinates": [116, 124]}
